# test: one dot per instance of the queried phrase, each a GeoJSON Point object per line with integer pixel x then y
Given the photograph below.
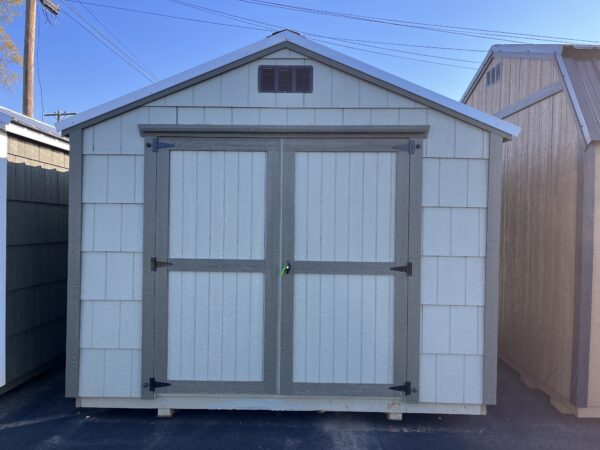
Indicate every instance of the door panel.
{"type": "Point", "coordinates": [217, 205]}
{"type": "Point", "coordinates": [215, 327]}
{"type": "Point", "coordinates": [344, 206]}
{"type": "Point", "coordinates": [345, 226]}
{"type": "Point", "coordinates": [343, 329]}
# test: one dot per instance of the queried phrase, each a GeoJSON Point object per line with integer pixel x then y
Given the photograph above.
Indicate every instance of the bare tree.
{"type": "Point", "coordinates": [9, 53]}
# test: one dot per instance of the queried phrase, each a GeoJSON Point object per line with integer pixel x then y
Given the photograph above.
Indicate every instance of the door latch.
{"type": "Point", "coordinates": [285, 269]}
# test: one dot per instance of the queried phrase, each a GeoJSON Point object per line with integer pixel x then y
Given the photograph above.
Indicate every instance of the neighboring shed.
{"type": "Point", "coordinates": [34, 164]}
{"type": "Point", "coordinates": [550, 308]}
{"type": "Point", "coordinates": [317, 235]}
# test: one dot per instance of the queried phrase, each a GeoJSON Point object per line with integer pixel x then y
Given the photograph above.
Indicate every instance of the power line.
{"type": "Point", "coordinates": [93, 30]}
{"type": "Point", "coordinates": [246, 20]}
{"type": "Point", "coordinates": [264, 28]}
{"type": "Point", "coordinates": [473, 32]}
{"type": "Point", "coordinates": [167, 16]}
{"type": "Point", "coordinates": [123, 46]}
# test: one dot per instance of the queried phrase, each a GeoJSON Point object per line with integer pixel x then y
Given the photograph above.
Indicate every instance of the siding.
{"type": "Point", "coordinates": [454, 194]}
{"type": "Point", "coordinates": [36, 256]}
{"type": "Point", "coordinates": [539, 225]}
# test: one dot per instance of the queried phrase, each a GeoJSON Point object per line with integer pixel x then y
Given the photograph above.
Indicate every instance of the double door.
{"type": "Point", "coordinates": [278, 266]}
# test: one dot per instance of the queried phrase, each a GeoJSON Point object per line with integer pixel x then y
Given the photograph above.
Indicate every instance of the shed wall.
{"type": "Point", "coordinates": [539, 224]}
{"type": "Point", "coordinates": [36, 255]}
{"type": "Point", "coordinates": [454, 219]}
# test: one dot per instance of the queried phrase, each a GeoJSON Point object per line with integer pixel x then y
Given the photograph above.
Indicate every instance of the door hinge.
{"type": "Point", "coordinates": [152, 384]}
{"type": "Point", "coordinates": [155, 264]}
{"type": "Point", "coordinates": [406, 269]}
{"type": "Point", "coordinates": [157, 144]}
{"type": "Point", "coordinates": [406, 388]}
{"type": "Point", "coordinates": [408, 147]}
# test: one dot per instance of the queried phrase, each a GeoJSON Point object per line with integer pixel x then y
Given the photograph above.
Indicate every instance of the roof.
{"type": "Point", "coordinates": [580, 70]}
{"type": "Point", "coordinates": [298, 43]}
{"type": "Point", "coordinates": [9, 116]}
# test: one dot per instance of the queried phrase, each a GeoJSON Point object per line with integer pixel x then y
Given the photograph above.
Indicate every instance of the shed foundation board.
{"type": "Point", "coordinates": [280, 403]}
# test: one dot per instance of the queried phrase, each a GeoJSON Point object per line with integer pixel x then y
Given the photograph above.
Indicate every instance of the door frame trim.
{"type": "Point", "coordinates": [417, 132]}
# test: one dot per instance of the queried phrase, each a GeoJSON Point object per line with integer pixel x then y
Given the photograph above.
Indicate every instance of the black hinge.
{"type": "Point", "coordinates": [406, 388]}
{"type": "Point", "coordinates": [152, 384]}
{"type": "Point", "coordinates": [408, 147]}
{"type": "Point", "coordinates": [157, 144]}
{"type": "Point", "coordinates": [155, 264]}
{"type": "Point", "coordinates": [406, 269]}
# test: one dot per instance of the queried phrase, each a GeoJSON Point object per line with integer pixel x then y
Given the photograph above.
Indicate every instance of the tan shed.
{"type": "Point", "coordinates": [550, 292]}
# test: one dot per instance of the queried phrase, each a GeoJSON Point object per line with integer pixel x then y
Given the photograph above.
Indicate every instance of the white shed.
{"type": "Point", "coordinates": [284, 228]}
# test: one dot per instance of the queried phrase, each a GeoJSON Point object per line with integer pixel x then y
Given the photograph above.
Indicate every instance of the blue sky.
{"type": "Point", "coordinates": [77, 72]}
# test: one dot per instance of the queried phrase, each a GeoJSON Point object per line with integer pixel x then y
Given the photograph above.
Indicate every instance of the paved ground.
{"type": "Point", "coordinates": [37, 416]}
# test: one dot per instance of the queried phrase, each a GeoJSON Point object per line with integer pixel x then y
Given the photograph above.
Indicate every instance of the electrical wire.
{"type": "Point", "coordinates": [477, 32]}
{"type": "Point", "coordinates": [246, 20]}
{"type": "Point", "coordinates": [123, 46]}
{"type": "Point", "coordinates": [77, 17]}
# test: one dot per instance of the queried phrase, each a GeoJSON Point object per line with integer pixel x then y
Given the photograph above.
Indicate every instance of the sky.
{"type": "Point", "coordinates": [75, 71]}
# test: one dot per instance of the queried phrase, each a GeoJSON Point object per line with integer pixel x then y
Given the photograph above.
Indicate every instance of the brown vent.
{"type": "Point", "coordinates": [298, 79]}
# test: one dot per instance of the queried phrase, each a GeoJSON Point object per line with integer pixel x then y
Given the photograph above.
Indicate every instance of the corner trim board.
{"type": "Point", "coordinates": [74, 269]}
{"type": "Point", "coordinates": [492, 271]}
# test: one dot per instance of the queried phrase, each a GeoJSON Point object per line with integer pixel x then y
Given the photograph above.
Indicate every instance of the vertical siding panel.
{"type": "Point", "coordinates": [229, 321]}
{"type": "Point", "coordinates": [354, 328]}
{"type": "Point", "coordinates": [201, 327]}
{"type": "Point", "coordinates": [257, 314]}
{"type": "Point", "coordinates": [215, 326]}
{"type": "Point", "coordinates": [383, 328]}
{"type": "Point", "coordinates": [385, 206]}
{"type": "Point", "coordinates": [175, 208]}
{"type": "Point", "coordinates": [340, 332]}
{"type": "Point", "coordinates": [174, 327]}
{"type": "Point", "coordinates": [230, 216]}
{"type": "Point", "coordinates": [203, 199]}
{"type": "Point", "coordinates": [242, 327]}
{"type": "Point", "coordinates": [244, 225]}
{"type": "Point", "coordinates": [217, 198]}
{"type": "Point", "coordinates": [327, 327]}
{"type": "Point", "coordinates": [188, 200]}
{"type": "Point", "coordinates": [328, 207]}
{"type": "Point", "coordinates": [368, 330]}
{"type": "Point", "coordinates": [369, 213]}
{"type": "Point", "coordinates": [186, 327]}
{"type": "Point", "coordinates": [258, 205]}
{"type": "Point", "coordinates": [301, 207]}
{"type": "Point", "coordinates": [342, 206]}
{"type": "Point", "coordinates": [314, 219]}
{"type": "Point", "coordinates": [300, 283]}
{"type": "Point", "coordinates": [313, 331]}
{"type": "Point", "coordinates": [355, 216]}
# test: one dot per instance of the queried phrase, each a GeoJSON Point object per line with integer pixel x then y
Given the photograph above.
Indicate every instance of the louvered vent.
{"type": "Point", "coordinates": [297, 79]}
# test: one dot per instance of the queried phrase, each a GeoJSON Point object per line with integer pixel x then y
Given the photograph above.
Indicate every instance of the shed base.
{"type": "Point", "coordinates": [273, 403]}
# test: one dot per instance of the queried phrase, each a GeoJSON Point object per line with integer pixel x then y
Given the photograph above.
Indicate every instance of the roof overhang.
{"type": "Point", "coordinates": [293, 41]}
{"type": "Point", "coordinates": [18, 124]}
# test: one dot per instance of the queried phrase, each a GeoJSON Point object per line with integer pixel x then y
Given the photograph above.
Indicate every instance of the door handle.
{"type": "Point", "coordinates": [285, 269]}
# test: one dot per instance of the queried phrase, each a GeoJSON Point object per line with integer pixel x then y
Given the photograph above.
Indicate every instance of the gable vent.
{"type": "Point", "coordinates": [296, 79]}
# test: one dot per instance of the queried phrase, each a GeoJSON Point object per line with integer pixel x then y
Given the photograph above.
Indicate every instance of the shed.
{"type": "Point", "coordinates": [284, 228]}
{"type": "Point", "coordinates": [550, 308]}
{"type": "Point", "coordinates": [34, 164]}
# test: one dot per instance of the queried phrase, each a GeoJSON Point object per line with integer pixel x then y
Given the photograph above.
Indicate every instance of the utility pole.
{"type": "Point", "coordinates": [58, 114]}
{"type": "Point", "coordinates": [29, 51]}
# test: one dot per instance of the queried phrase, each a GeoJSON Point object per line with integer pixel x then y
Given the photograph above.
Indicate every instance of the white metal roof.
{"type": "Point", "coordinates": [8, 116]}
{"type": "Point", "coordinates": [18, 124]}
{"type": "Point", "coordinates": [446, 103]}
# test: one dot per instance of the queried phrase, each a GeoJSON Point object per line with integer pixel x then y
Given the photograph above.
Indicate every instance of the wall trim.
{"type": "Point", "coordinates": [492, 270]}
{"type": "Point", "coordinates": [74, 269]}
{"type": "Point", "coordinates": [530, 100]}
